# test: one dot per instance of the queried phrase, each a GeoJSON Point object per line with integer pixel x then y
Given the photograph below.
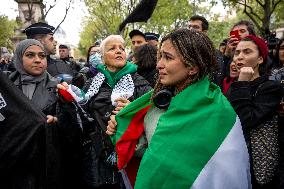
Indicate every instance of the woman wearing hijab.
{"type": "Point", "coordinates": [61, 132]}
{"type": "Point", "coordinates": [32, 78]}
{"type": "Point", "coordinates": [40, 88]}
{"type": "Point", "coordinates": [255, 100]}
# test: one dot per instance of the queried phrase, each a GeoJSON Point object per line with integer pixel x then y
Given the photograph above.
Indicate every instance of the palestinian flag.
{"type": "Point", "coordinates": [198, 142]}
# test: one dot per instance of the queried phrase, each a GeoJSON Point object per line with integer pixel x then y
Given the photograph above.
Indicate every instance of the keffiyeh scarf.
{"type": "Point", "coordinates": [123, 88]}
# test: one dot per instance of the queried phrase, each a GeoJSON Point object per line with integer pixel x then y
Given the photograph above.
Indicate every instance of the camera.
{"type": "Point", "coordinates": [163, 98]}
{"type": "Point", "coordinates": [271, 40]}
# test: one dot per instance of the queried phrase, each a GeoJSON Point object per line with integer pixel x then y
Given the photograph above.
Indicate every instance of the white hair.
{"type": "Point", "coordinates": [110, 38]}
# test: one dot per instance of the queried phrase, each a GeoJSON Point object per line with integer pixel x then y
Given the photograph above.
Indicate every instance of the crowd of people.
{"type": "Point", "coordinates": [174, 112]}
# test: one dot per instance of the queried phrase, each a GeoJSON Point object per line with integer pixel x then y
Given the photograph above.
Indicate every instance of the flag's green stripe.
{"type": "Point", "coordinates": [124, 116]}
{"type": "Point", "coordinates": [187, 136]}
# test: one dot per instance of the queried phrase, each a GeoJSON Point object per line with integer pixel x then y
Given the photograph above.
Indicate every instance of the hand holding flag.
{"type": "Point", "coordinates": [70, 92]}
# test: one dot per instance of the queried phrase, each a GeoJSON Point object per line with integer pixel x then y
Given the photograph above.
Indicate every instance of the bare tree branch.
{"type": "Point", "coordinates": [253, 19]}
{"type": "Point", "coordinates": [50, 7]}
{"type": "Point", "coordinates": [251, 11]}
{"type": "Point", "coordinates": [66, 11]}
{"type": "Point", "coordinates": [249, 14]}
{"type": "Point", "coordinates": [274, 5]}
{"type": "Point", "coordinates": [259, 2]}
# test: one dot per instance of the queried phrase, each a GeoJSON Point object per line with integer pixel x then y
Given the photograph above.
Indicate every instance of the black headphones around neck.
{"type": "Point", "coordinates": [163, 98]}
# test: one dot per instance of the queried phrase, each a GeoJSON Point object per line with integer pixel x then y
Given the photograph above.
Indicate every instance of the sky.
{"type": "Point", "coordinates": [71, 25]}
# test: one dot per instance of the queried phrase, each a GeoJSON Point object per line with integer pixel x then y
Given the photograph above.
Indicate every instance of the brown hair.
{"type": "Point", "coordinates": [196, 49]}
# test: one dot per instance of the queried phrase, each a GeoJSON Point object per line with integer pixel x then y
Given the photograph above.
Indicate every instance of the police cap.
{"type": "Point", "coordinates": [38, 28]}
{"type": "Point", "coordinates": [151, 36]}
{"type": "Point", "coordinates": [62, 46]}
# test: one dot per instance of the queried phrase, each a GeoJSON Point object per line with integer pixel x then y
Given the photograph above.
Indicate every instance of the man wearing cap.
{"type": "Point", "coordinates": [137, 39]}
{"type": "Point", "coordinates": [152, 38]}
{"type": "Point", "coordinates": [44, 33]}
{"type": "Point", "coordinates": [64, 55]}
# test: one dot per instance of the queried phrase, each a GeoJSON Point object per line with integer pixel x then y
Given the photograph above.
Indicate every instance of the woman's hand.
{"type": "Point", "coordinates": [121, 103]}
{"type": "Point", "coordinates": [63, 86]}
{"type": "Point", "coordinates": [111, 127]}
{"type": "Point", "coordinates": [246, 74]}
{"type": "Point", "coordinates": [51, 119]}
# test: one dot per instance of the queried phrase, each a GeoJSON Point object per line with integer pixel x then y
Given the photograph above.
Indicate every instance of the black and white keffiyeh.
{"type": "Point", "coordinates": [124, 88]}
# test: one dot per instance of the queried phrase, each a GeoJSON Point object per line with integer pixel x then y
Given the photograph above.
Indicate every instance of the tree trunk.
{"type": "Point", "coordinates": [266, 18]}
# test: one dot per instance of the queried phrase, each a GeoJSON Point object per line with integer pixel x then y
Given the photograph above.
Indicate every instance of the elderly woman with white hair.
{"type": "Point", "coordinates": [112, 88]}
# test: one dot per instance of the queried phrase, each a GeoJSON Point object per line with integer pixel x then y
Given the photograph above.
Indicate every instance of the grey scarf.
{"type": "Point", "coordinates": [28, 81]}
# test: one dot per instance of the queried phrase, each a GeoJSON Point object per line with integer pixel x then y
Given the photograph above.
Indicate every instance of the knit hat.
{"type": "Point", "coordinates": [261, 45]}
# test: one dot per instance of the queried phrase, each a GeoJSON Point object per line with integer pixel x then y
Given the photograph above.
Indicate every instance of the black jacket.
{"type": "Point", "coordinates": [45, 95]}
{"type": "Point", "coordinates": [45, 98]}
{"type": "Point", "coordinates": [255, 102]}
{"type": "Point", "coordinates": [56, 67]}
{"type": "Point", "coordinates": [100, 107]}
{"type": "Point", "coordinates": [253, 107]}
{"type": "Point", "coordinates": [278, 75]}
{"type": "Point", "coordinates": [22, 140]}
{"type": "Point", "coordinates": [61, 140]}
{"type": "Point", "coordinates": [151, 75]}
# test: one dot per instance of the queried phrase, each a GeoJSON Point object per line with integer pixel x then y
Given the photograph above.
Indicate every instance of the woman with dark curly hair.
{"type": "Point", "coordinates": [186, 131]}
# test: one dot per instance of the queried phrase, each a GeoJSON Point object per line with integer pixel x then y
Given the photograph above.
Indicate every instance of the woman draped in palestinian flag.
{"type": "Point", "coordinates": [185, 130]}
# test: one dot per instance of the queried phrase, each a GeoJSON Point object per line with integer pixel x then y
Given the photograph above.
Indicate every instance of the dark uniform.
{"type": "Point", "coordinates": [57, 67]}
